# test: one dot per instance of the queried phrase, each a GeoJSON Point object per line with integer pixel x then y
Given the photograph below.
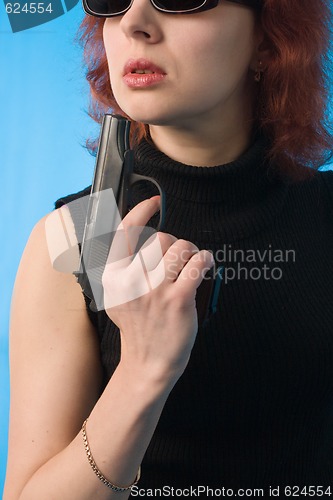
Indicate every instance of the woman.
{"type": "Point", "coordinates": [234, 95]}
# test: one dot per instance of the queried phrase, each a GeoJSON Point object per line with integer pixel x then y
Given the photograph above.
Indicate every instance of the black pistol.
{"type": "Point", "coordinates": [109, 203]}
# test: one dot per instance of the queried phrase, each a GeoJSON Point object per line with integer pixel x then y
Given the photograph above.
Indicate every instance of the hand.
{"type": "Point", "coordinates": [150, 295]}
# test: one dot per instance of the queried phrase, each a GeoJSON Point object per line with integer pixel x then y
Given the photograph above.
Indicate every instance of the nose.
{"type": "Point", "coordinates": [142, 21]}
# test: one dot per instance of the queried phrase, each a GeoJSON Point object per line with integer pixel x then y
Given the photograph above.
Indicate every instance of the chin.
{"type": "Point", "coordinates": [149, 114]}
{"type": "Point", "coordinates": [147, 119]}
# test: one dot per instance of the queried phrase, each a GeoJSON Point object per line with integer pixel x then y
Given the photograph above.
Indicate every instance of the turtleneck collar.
{"type": "Point", "coordinates": [244, 194]}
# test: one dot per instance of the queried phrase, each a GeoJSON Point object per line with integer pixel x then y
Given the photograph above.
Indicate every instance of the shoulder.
{"type": "Point", "coordinates": [308, 203]}
{"type": "Point", "coordinates": [41, 264]}
{"type": "Point", "coordinates": [316, 191]}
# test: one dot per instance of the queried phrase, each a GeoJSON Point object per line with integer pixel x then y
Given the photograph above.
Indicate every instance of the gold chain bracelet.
{"type": "Point", "coordinates": [98, 473]}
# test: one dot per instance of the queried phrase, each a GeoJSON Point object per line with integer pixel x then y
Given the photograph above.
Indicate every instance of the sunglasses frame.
{"type": "Point", "coordinates": [205, 5]}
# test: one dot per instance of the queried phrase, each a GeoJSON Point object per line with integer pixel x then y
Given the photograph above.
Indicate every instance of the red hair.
{"type": "Point", "coordinates": [292, 101]}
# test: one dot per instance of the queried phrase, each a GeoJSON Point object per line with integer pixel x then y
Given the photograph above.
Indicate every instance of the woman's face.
{"type": "Point", "coordinates": [201, 62]}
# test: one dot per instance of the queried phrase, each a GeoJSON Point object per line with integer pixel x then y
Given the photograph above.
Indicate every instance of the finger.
{"type": "Point", "coordinates": [150, 252]}
{"type": "Point", "coordinates": [141, 213]}
{"type": "Point", "coordinates": [128, 232]}
{"type": "Point", "coordinates": [153, 250]}
{"type": "Point", "coordinates": [177, 257]}
{"type": "Point", "coordinates": [149, 259]}
{"type": "Point", "coordinates": [195, 270]}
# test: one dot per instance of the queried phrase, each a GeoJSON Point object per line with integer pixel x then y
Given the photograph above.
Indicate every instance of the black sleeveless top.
{"type": "Point", "coordinates": [254, 407]}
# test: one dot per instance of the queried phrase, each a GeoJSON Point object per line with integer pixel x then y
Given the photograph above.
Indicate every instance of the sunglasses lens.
{"type": "Point", "coordinates": [179, 5]}
{"type": "Point", "coordinates": [108, 7]}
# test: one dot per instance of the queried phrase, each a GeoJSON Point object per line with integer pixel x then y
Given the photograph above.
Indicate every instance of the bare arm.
{"type": "Point", "coordinates": [56, 380]}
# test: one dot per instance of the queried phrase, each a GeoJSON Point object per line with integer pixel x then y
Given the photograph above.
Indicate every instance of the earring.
{"type": "Point", "coordinates": [257, 76]}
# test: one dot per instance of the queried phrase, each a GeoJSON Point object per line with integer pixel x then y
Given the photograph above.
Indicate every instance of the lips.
{"type": "Point", "coordinates": [142, 66]}
{"type": "Point", "coordinates": [141, 73]}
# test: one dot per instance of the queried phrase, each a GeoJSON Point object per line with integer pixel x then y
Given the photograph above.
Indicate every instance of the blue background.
{"type": "Point", "coordinates": [43, 127]}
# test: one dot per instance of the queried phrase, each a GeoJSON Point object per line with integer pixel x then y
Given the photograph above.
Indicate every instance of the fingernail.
{"type": "Point", "coordinates": [212, 260]}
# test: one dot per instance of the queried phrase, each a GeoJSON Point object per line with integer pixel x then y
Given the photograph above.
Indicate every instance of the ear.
{"type": "Point", "coordinates": [262, 52]}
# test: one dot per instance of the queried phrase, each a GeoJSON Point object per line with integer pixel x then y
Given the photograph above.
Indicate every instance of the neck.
{"type": "Point", "coordinates": [208, 141]}
{"type": "Point", "coordinates": [243, 195]}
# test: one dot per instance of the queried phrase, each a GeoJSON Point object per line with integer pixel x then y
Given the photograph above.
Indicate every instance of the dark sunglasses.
{"type": "Point", "coordinates": [111, 8]}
